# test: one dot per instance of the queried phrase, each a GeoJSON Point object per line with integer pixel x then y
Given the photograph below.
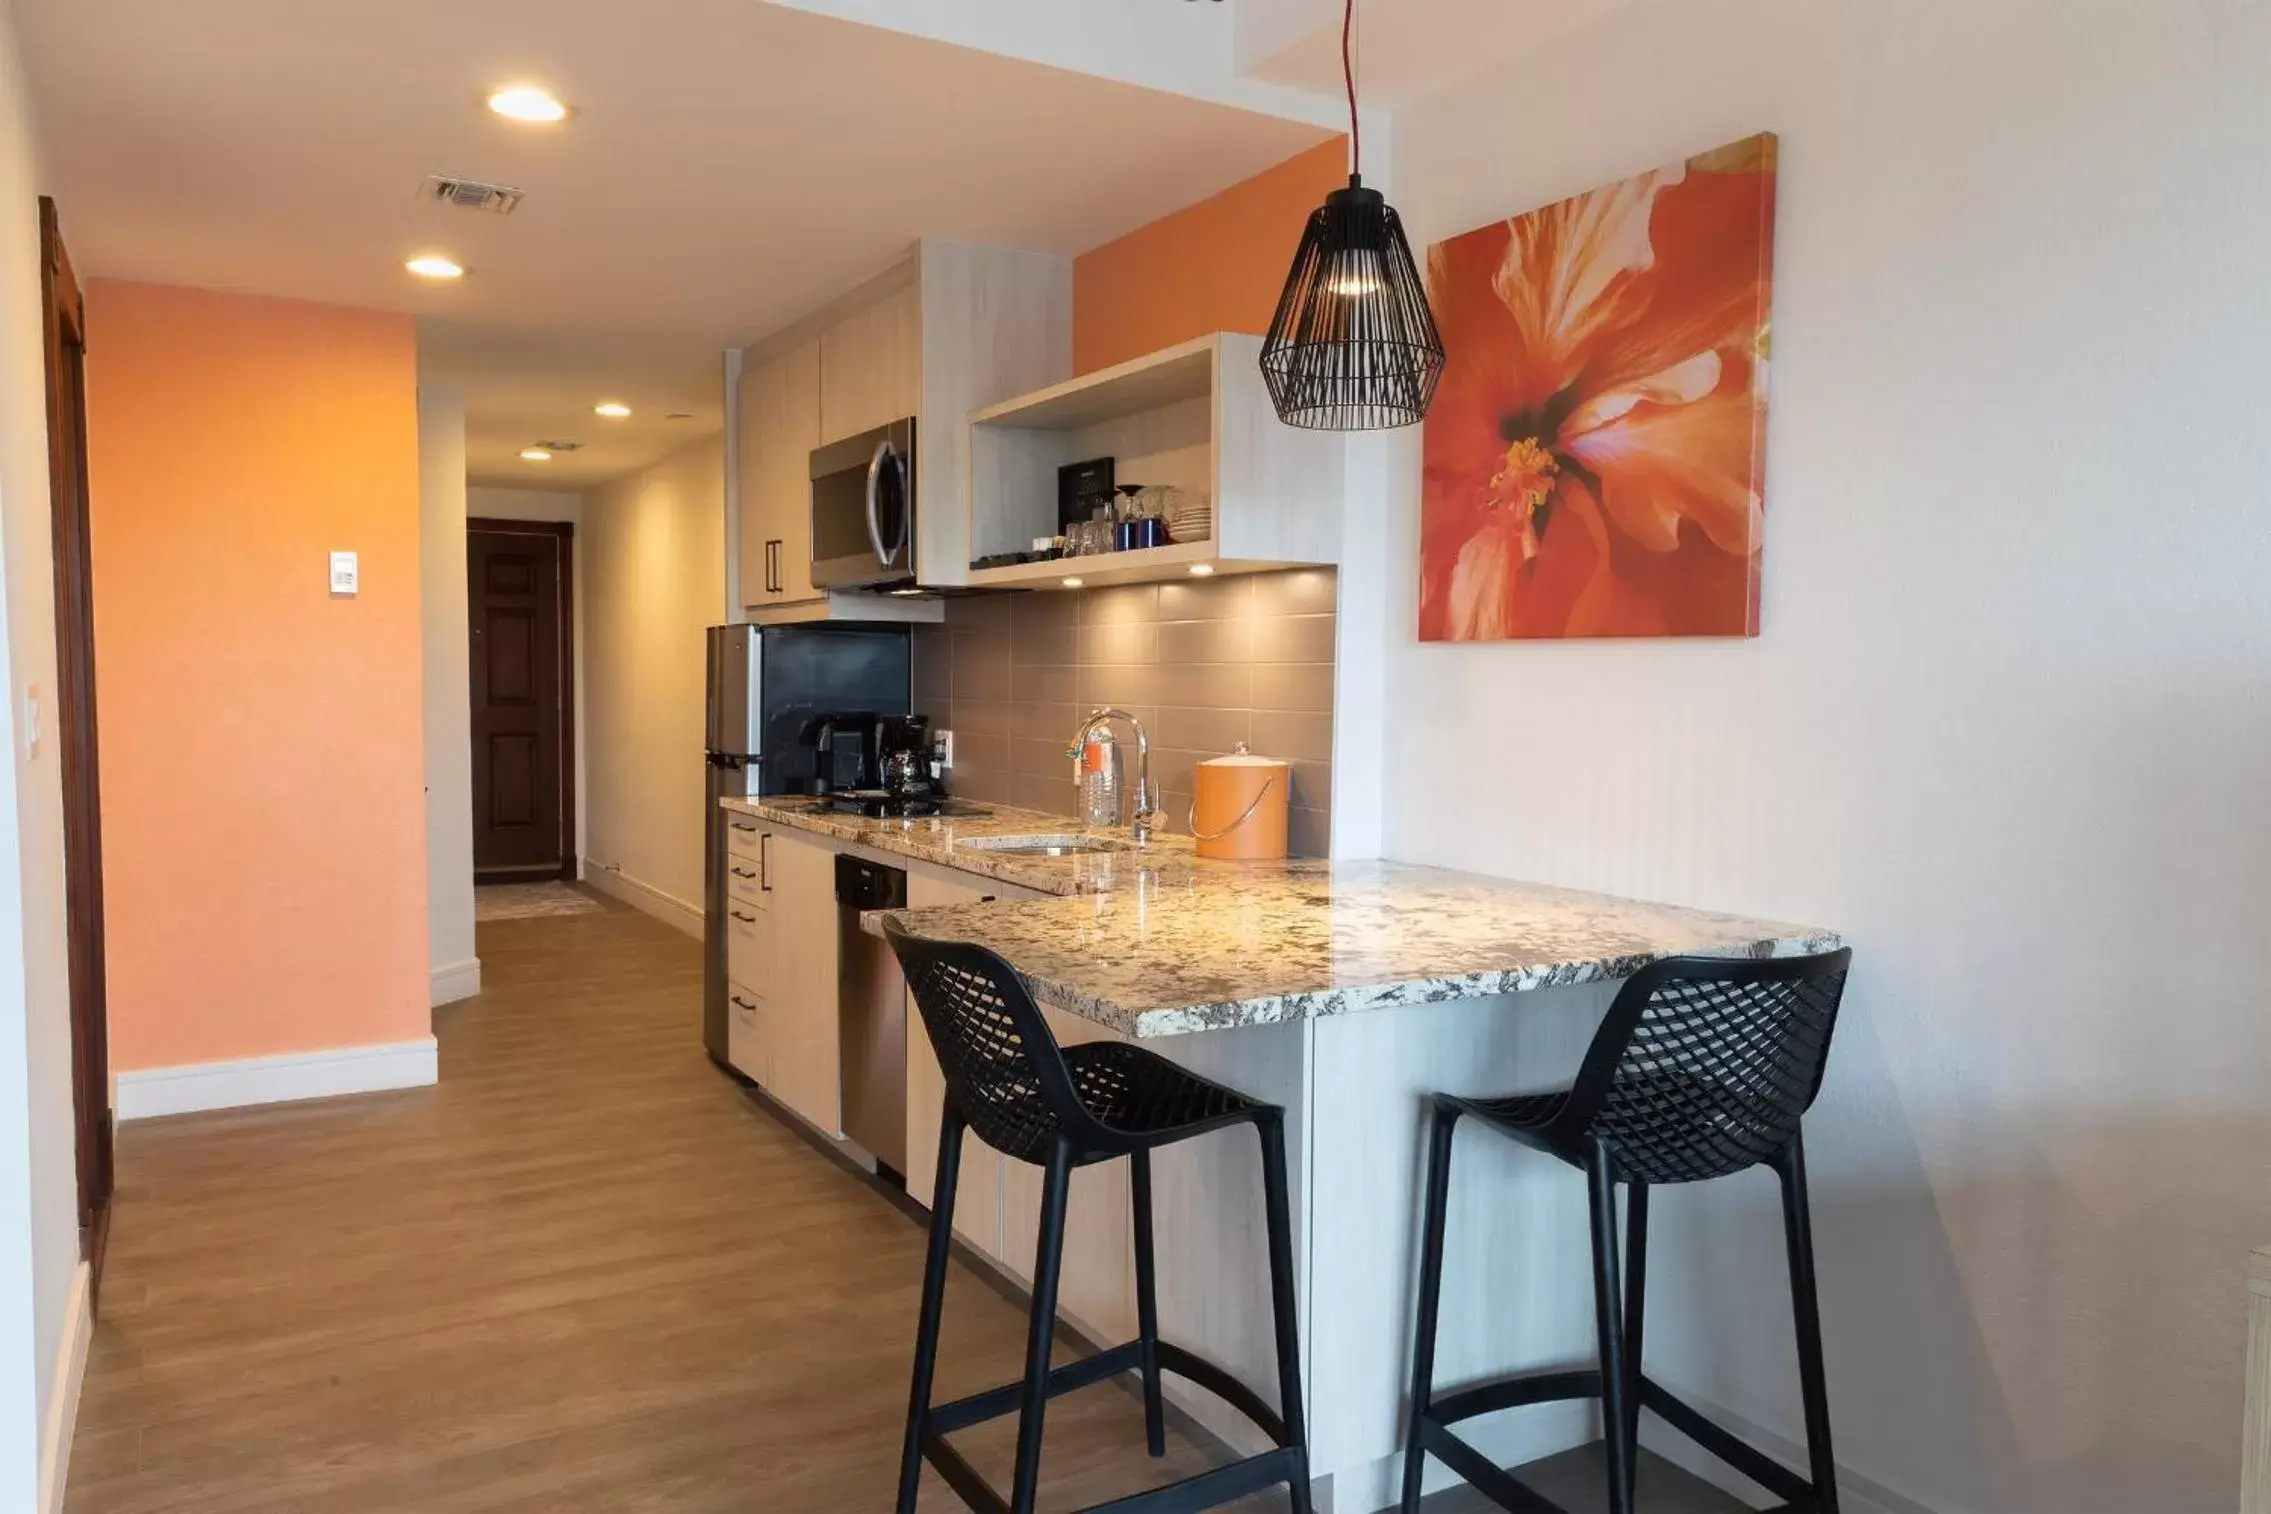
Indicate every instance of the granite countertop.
{"type": "Point", "coordinates": [946, 840]}
{"type": "Point", "coordinates": [1303, 940]}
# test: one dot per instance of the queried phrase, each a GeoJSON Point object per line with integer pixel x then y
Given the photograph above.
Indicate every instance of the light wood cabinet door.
{"type": "Point", "coordinates": [745, 1034]}
{"type": "Point", "coordinates": [977, 1202]}
{"type": "Point", "coordinates": [780, 404]}
{"type": "Point", "coordinates": [804, 1046]}
{"type": "Point", "coordinates": [871, 366]}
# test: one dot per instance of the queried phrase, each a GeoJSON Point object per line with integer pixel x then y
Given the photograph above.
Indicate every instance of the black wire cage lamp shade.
{"type": "Point", "coordinates": [1353, 346]}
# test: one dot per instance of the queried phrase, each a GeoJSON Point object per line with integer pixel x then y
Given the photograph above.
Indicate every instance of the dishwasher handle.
{"type": "Point", "coordinates": [869, 885]}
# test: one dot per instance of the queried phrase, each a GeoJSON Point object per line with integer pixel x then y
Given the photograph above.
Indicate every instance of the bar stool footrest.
{"type": "Point", "coordinates": [1509, 1492]}
{"type": "Point", "coordinates": [1206, 1490]}
{"type": "Point", "coordinates": [993, 1403]}
{"type": "Point", "coordinates": [1739, 1454]}
{"type": "Point", "coordinates": [1211, 1490]}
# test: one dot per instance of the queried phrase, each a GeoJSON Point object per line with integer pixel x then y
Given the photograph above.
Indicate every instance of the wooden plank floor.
{"type": "Point", "coordinates": [584, 1273]}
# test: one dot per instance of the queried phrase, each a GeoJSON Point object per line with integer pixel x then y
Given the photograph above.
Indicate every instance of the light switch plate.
{"type": "Point", "coordinates": [346, 574]}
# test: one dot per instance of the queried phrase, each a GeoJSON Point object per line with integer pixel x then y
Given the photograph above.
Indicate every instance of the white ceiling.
{"type": "Point", "coordinates": [732, 164]}
{"type": "Point", "coordinates": [1404, 48]}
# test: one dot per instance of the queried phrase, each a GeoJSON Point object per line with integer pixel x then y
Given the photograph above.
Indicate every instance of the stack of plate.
{"type": "Point", "coordinates": [1190, 517]}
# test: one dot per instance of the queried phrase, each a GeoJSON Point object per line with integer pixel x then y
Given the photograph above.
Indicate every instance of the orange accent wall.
{"type": "Point", "coordinates": [263, 803]}
{"type": "Point", "coordinates": [1214, 266]}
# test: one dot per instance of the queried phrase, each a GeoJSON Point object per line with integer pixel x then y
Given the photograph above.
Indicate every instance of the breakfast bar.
{"type": "Point", "coordinates": [1346, 992]}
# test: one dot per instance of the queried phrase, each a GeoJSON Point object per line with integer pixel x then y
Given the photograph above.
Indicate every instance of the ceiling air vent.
{"type": "Point", "coordinates": [472, 194]}
{"type": "Point", "coordinates": [560, 446]}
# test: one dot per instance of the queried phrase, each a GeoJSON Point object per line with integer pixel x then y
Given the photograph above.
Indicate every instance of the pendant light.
{"type": "Point", "coordinates": [1353, 346]}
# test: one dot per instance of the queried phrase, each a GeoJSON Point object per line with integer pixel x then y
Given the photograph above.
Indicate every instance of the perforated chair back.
{"type": "Point", "coordinates": [1706, 1065]}
{"type": "Point", "coordinates": [1004, 1070]}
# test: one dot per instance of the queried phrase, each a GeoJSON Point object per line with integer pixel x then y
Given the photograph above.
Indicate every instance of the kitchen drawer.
{"type": "Point", "coordinates": [749, 946]}
{"type": "Point", "coordinates": [745, 1045]}
{"type": "Point", "coordinates": [743, 835]}
{"type": "Point", "coordinates": [745, 880]}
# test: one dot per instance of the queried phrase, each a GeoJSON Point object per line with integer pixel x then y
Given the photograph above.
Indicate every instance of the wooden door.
{"type": "Point", "coordinates": [518, 591]}
{"type": "Point", "coordinates": [75, 734]}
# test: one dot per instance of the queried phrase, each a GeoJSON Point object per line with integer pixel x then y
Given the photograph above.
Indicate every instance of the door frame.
{"type": "Point", "coordinates": [571, 844]}
{"type": "Point", "coordinates": [63, 312]}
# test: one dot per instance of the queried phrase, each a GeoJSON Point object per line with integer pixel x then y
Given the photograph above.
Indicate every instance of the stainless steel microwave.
{"type": "Point", "coordinates": [863, 509]}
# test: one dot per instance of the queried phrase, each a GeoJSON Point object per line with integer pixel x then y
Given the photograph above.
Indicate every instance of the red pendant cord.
{"type": "Point", "coordinates": [1348, 72]}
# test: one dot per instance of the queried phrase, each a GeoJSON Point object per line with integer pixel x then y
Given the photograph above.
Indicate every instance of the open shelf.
{"type": "Point", "coordinates": [1163, 378]}
{"type": "Point", "coordinates": [1143, 565]}
{"type": "Point", "coordinates": [1195, 417]}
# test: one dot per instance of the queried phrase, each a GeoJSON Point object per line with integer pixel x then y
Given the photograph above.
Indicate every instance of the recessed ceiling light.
{"type": "Point", "coordinates": [1072, 583]}
{"type": "Point", "coordinates": [1201, 569]}
{"type": "Point", "coordinates": [525, 102]}
{"type": "Point", "coordinates": [614, 410]}
{"type": "Point", "coordinates": [535, 455]}
{"type": "Point", "coordinates": [432, 265]}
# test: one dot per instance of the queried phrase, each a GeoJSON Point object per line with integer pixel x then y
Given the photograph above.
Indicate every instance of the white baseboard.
{"type": "Point", "coordinates": [274, 1080]}
{"type": "Point", "coordinates": [664, 906]}
{"type": "Point", "coordinates": [453, 981]}
{"type": "Point", "coordinates": [66, 1377]}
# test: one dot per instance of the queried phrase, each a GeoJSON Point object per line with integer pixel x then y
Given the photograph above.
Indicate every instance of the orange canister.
{"type": "Point", "coordinates": [1238, 806]}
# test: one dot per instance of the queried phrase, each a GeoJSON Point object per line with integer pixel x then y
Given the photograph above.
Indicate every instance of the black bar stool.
{"type": "Point", "coordinates": [1061, 1108]}
{"type": "Point", "coordinates": [1703, 1068]}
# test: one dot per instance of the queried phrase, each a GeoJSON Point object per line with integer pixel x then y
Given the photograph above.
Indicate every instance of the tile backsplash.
{"type": "Point", "coordinates": [1204, 664]}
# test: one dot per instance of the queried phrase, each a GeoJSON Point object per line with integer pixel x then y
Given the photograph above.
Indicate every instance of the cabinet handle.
{"type": "Point", "coordinates": [773, 584]}
{"type": "Point", "coordinates": [765, 862]}
{"type": "Point", "coordinates": [741, 1003]}
{"type": "Point", "coordinates": [741, 872]}
{"type": "Point", "coordinates": [741, 825]}
{"type": "Point", "coordinates": [744, 919]}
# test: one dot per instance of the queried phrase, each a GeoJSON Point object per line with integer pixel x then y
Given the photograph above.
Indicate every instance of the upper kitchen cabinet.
{"type": "Point", "coordinates": [780, 425]}
{"type": "Point", "coordinates": [951, 329]}
{"type": "Point", "coordinates": [1195, 417]}
{"type": "Point", "coordinates": [871, 366]}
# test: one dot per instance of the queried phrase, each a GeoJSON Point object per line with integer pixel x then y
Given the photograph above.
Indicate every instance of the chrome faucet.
{"type": "Point", "coordinates": [1143, 817]}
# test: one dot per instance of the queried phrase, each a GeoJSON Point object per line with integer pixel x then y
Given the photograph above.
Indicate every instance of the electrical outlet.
{"type": "Point", "coordinates": [944, 746]}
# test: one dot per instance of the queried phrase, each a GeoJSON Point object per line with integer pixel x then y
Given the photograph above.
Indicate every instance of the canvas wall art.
{"type": "Point", "coordinates": [1594, 458]}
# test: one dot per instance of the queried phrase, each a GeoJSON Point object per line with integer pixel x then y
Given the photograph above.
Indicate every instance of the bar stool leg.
{"type": "Point", "coordinates": [1440, 1131]}
{"type": "Point", "coordinates": [1040, 1335]}
{"type": "Point", "coordinates": [1798, 1231]}
{"type": "Point", "coordinates": [1616, 1415]}
{"type": "Point", "coordinates": [1147, 1303]}
{"type": "Point", "coordinates": [1635, 1302]}
{"type": "Point", "coordinates": [933, 1306]}
{"type": "Point", "coordinates": [1277, 1197]}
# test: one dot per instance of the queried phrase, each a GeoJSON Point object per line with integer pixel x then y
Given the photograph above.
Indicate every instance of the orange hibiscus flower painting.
{"type": "Point", "coordinates": [1595, 453]}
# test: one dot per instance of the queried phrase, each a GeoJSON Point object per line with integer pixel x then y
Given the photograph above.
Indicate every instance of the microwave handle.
{"type": "Point", "coordinates": [874, 482]}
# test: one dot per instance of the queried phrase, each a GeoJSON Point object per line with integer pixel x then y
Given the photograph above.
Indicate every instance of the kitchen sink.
{"type": "Point", "coordinates": [1044, 846]}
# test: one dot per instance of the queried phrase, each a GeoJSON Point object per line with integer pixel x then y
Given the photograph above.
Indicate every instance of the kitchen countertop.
{"type": "Point", "coordinates": [1168, 861]}
{"type": "Point", "coordinates": [1305, 940]}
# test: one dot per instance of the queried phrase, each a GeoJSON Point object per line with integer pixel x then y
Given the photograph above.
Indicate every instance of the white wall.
{"type": "Point", "coordinates": [494, 502]}
{"type": "Point", "coordinates": [653, 554]}
{"type": "Point", "coordinates": [454, 964]}
{"type": "Point", "coordinates": [39, 1242]}
{"type": "Point", "coordinates": [2007, 725]}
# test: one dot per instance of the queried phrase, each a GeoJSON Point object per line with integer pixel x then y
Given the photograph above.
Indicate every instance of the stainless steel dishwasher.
{"type": "Point", "coordinates": [872, 1013]}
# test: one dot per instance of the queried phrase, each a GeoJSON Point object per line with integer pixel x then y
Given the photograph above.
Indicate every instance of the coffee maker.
{"type": "Point", "coordinates": [876, 765]}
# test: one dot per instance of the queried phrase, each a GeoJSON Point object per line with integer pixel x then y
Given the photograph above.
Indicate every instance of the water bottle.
{"type": "Point", "coordinates": [1100, 778]}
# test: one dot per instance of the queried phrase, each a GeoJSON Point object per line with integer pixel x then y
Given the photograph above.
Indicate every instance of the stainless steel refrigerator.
{"type": "Point", "coordinates": [768, 685]}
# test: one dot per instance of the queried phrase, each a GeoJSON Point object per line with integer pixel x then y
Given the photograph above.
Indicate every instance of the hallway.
{"type": "Point", "coordinates": [585, 1272]}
